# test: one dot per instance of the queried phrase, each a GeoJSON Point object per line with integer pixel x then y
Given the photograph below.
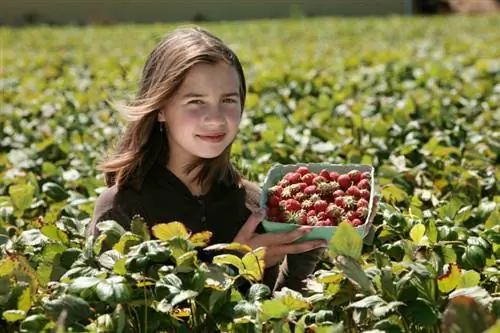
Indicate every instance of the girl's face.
{"type": "Point", "coordinates": [203, 117]}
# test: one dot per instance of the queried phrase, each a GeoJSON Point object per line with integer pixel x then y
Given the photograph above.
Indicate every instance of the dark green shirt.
{"type": "Point", "coordinates": [164, 198]}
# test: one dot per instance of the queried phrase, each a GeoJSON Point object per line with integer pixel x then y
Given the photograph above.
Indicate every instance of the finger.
{"type": "Point", "coordinates": [251, 224]}
{"type": "Point", "coordinates": [300, 247]}
{"type": "Point", "coordinates": [282, 237]}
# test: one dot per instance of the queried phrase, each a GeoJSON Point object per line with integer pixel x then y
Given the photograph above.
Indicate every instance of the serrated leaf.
{"type": "Point", "coordinates": [469, 279]}
{"type": "Point", "coordinates": [12, 316]}
{"type": "Point", "coordinates": [254, 264]}
{"type": "Point", "coordinates": [274, 309]}
{"type": "Point", "coordinates": [229, 259]}
{"type": "Point", "coordinates": [292, 299]}
{"type": "Point", "coordinates": [22, 195]}
{"type": "Point", "coordinates": [24, 300]}
{"type": "Point", "coordinates": [201, 239]}
{"type": "Point", "coordinates": [167, 231]}
{"type": "Point", "coordinates": [229, 246]}
{"type": "Point", "coordinates": [449, 281]}
{"type": "Point", "coordinates": [346, 242]}
{"type": "Point", "coordinates": [113, 290]}
{"type": "Point", "coordinates": [355, 274]}
{"type": "Point", "coordinates": [183, 296]}
{"type": "Point", "coordinates": [258, 292]}
{"type": "Point", "coordinates": [7, 266]}
{"type": "Point", "coordinates": [417, 234]}
{"type": "Point", "coordinates": [139, 227]}
{"type": "Point", "coordinates": [55, 234]}
{"type": "Point", "coordinates": [83, 283]}
{"type": "Point", "coordinates": [78, 310]}
{"type": "Point", "coordinates": [393, 194]}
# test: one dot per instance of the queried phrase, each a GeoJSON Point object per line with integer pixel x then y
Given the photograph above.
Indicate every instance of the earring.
{"type": "Point", "coordinates": [161, 128]}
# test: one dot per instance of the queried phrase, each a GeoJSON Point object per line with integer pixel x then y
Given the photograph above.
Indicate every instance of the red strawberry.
{"type": "Point", "coordinates": [321, 216]}
{"type": "Point", "coordinates": [366, 175]}
{"type": "Point", "coordinates": [276, 189]}
{"type": "Point", "coordinates": [302, 170]}
{"type": "Point", "coordinates": [328, 188]}
{"type": "Point", "coordinates": [320, 205]}
{"type": "Point", "coordinates": [312, 220]}
{"type": "Point", "coordinates": [324, 223]}
{"type": "Point", "coordinates": [273, 201]}
{"type": "Point", "coordinates": [308, 178]}
{"type": "Point", "coordinates": [355, 175]}
{"type": "Point", "coordinates": [339, 201]}
{"type": "Point", "coordinates": [293, 177]}
{"type": "Point", "coordinates": [315, 197]}
{"type": "Point", "coordinates": [351, 215]}
{"type": "Point", "coordinates": [325, 174]}
{"type": "Point", "coordinates": [344, 181]}
{"type": "Point", "coordinates": [302, 186]}
{"type": "Point", "coordinates": [363, 203]}
{"type": "Point", "coordinates": [334, 176]}
{"type": "Point", "coordinates": [303, 216]}
{"type": "Point", "coordinates": [365, 194]}
{"type": "Point", "coordinates": [310, 213]}
{"type": "Point", "coordinates": [349, 202]}
{"type": "Point", "coordinates": [356, 222]}
{"type": "Point", "coordinates": [333, 211]}
{"type": "Point", "coordinates": [338, 193]}
{"type": "Point", "coordinates": [311, 189]}
{"type": "Point", "coordinates": [364, 184]}
{"type": "Point", "coordinates": [290, 205]}
{"type": "Point", "coordinates": [354, 191]}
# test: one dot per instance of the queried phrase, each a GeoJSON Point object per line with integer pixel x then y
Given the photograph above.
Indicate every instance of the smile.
{"type": "Point", "coordinates": [212, 138]}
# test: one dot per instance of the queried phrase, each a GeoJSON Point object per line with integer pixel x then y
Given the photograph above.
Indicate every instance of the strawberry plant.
{"type": "Point", "coordinates": [407, 95]}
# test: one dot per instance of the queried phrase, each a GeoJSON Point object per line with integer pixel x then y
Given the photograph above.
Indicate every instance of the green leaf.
{"type": "Point", "coordinates": [292, 299]}
{"type": "Point", "coordinates": [24, 300]}
{"type": "Point", "coordinates": [258, 292]}
{"type": "Point", "coordinates": [417, 234]}
{"type": "Point", "coordinates": [201, 239]}
{"type": "Point", "coordinates": [346, 242]}
{"type": "Point", "coordinates": [274, 309]}
{"type": "Point", "coordinates": [83, 283]}
{"type": "Point", "coordinates": [12, 316]}
{"type": "Point", "coordinates": [113, 290]}
{"type": "Point", "coordinates": [7, 266]}
{"type": "Point", "coordinates": [22, 195]}
{"type": "Point", "coordinates": [469, 279]}
{"type": "Point", "coordinates": [355, 274]}
{"type": "Point", "coordinates": [77, 309]}
{"type": "Point", "coordinates": [393, 194]}
{"type": "Point", "coordinates": [229, 259]}
{"type": "Point", "coordinates": [254, 264]}
{"type": "Point", "coordinates": [449, 281]}
{"type": "Point", "coordinates": [167, 231]}
{"type": "Point", "coordinates": [229, 246]}
{"type": "Point", "coordinates": [367, 302]}
{"type": "Point", "coordinates": [34, 323]}
{"type": "Point", "coordinates": [55, 191]}
{"type": "Point", "coordinates": [139, 227]}
{"type": "Point", "coordinates": [55, 234]}
{"type": "Point", "coordinates": [183, 296]}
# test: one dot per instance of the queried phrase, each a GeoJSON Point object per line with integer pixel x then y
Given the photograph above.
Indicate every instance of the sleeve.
{"type": "Point", "coordinates": [117, 205]}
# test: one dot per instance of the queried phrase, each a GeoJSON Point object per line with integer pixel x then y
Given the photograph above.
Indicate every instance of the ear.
{"type": "Point", "coordinates": [161, 115]}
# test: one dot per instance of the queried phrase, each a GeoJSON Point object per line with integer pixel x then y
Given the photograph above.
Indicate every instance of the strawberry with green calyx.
{"type": "Point", "coordinates": [326, 189]}
{"type": "Point", "coordinates": [306, 204]}
{"type": "Point", "coordinates": [355, 176]}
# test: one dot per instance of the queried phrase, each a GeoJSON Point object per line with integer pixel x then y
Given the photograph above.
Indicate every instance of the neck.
{"type": "Point", "coordinates": [177, 168]}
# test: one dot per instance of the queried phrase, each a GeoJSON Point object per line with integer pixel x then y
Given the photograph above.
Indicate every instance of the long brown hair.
{"type": "Point", "coordinates": [144, 143]}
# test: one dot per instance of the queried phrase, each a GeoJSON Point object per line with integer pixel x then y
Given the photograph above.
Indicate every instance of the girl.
{"type": "Point", "coordinates": [173, 163]}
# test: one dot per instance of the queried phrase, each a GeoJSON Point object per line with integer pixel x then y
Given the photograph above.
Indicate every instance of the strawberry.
{"type": "Point", "coordinates": [363, 203]}
{"type": "Point", "coordinates": [365, 194]}
{"type": "Point", "coordinates": [302, 186]}
{"type": "Point", "coordinates": [310, 213]}
{"type": "Point", "coordinates": [321, 216]}
{"type": "Point", "coordinates": [324, 223]}
{"type": "Point", "coordinates": [356, 222]}
{"type": "Point", "coordinates": [292, 217]}
{"type": "Point", "coordinates": [344, 181]}
{"type": "Point", "coordinates": [339, 201]}
{"type": "Point", "coordinates": [351, 215]}
{"type": "Point", "coordinates": [290, 205]}
{"type": "Point", "coordinates": [308, 178]}
{"type": "Point", "coordinates": [303, 216]}
{"type": "Point", "coordinates": [315, 197]}
{"type": "Point", "coordinates": [333, 211]}
{"type": "Point", "coordinates": [276, 189]}
{"type": "Point", "coordinates": [349, 202]}
{"type": "Point", "coordinates": [293, 177]}
{"type": "Point", "coordinates": [354, 191]}
{"type": "Point", "coordinates": [273, 213]}
{"type": "Point", "coordinates": [364, 184]}
{"type": "Point", "coordinates": [338, 193]}
{"type": "Point", "coordinates": [287, 192]}
{"type": "Point", "coordinates": [320, 206]}
{"type": "Point", "coordinates": [366, 175]}
{"type": "Point", "coordinates": [311, 189]}
{"type": "Point", "coordinates": [273, 201]}
{"type": "Point", "coordinates": [325, 174]}
{"type": "Point", "coordinates": [312, 220]}
{"type": "Point", "coordinates": [334, 176]}
{"type": "Point", "coordinates": [355, 175]}
{"type": "Point", "coordinates": [302, 170]}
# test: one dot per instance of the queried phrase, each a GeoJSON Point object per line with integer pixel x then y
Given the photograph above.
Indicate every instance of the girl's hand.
{"type": "Point", "coordinates": [278, 245]}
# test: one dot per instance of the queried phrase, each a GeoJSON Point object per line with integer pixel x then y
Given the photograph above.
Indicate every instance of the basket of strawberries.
{"type": "Point", "coordinates": [320, 195]}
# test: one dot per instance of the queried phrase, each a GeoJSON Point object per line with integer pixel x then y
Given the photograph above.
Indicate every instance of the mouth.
{"type": "Point", "coordinates": [217, 137]}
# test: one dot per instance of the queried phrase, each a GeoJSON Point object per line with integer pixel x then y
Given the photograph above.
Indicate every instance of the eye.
{"type": "Point", "coordinates": [229, 100]}
{"type": "Point", "coordinates": [195, 101]}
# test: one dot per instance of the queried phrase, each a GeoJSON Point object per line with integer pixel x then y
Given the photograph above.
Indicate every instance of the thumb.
{"type": "Point", "coordinates": [251, 224]}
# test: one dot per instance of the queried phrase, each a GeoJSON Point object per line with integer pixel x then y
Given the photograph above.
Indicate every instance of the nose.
{"type": "Point", "coordinates": [214, 117]}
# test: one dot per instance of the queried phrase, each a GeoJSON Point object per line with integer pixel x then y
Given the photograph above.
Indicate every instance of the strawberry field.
{"type": "Point", "coordinates": [416, 98]}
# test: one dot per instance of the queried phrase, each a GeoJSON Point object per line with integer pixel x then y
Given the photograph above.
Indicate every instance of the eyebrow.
{"type": "Point", "coordinates": [194, 95]}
